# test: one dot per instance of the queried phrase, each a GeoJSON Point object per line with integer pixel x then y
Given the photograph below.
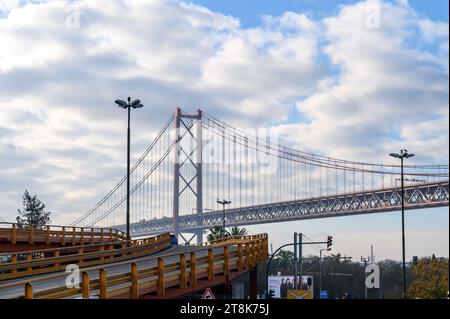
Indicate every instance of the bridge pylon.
{"type": "Point", "coordinates": [187, 154]}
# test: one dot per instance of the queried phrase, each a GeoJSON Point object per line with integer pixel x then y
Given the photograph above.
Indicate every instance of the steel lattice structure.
{"type": "Point", "coordinates": [416, 197]}
{"type": "Point", "coordinates": [196, 159]}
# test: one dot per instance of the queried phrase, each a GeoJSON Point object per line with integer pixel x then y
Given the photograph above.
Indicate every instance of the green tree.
{"type": "Point", "coordinates": [431, 280]}
{"type": "Point", "coordinates": [236, 231]}
{"type": "Point", "coordinates": [33, 213]}
{"type": "Point", "coordinates": [216, 233]}
{"type": "Point", "coordinates": [284, 261]}
{"type": "Point", "coordinates": [391, 276]}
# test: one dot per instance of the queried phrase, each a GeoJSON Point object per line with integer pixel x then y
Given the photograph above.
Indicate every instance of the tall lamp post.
{"type": "Point", "coordinates": [135, 105]}
{"type": "Point", "coordinates": [223, 203]}
{"type": "Point", "coordinates": [320, 266]}
{"type": "Point", "coordinates": [403, 154]}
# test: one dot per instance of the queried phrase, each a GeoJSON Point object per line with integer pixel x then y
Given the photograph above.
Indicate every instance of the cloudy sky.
{"type": "Point", "coordinates": [352, 79]}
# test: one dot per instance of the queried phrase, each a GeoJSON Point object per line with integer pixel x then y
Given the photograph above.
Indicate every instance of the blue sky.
{"type": "Point", "coordinates": [250, 11]}
{"type": "Point", "coordinates": [250, 14]}
{"type": "Point", "coordinates": [425, 234]}
{"type": "Point", "coordinates": [311, 69]}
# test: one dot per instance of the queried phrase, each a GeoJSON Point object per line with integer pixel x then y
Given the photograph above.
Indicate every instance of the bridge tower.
{"type": "Point", "coordinates": [187, 154]}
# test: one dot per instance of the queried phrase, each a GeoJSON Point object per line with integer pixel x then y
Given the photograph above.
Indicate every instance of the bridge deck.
{"type": "Point", "coordinates": [15, 288]}
{"type": "Point", "coordinates": [200, 262]}
{"type": "Point", "coordinates": [418, 196]}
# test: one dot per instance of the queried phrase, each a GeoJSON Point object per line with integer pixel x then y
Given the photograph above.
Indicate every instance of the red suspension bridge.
{"type": "Point", "coordinates": [196, 159]}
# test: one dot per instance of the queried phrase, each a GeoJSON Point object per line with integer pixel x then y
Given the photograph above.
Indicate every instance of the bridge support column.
{"type": "Point", "coordinates": [198, 162]}
{"type": "Point", "coordinates": [199, 235]}
{"type": "Point", "coordinates": [193, 158]}
{"type": "Point", "coordinates": [176, 177]}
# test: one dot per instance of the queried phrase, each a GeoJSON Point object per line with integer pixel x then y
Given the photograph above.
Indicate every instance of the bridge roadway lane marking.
{"type": "Point", "coordinates": [54, 280]}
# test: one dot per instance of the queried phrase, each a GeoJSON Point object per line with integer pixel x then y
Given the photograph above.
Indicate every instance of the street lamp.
{"type": "Point", "coordinates": [223, 203]}
{"type": "Point", "coordinates": [320, 266]}
{"type": "Point", "coordinates": [135, 105]}
{"type": "Point", "coordinates": [403, 154]}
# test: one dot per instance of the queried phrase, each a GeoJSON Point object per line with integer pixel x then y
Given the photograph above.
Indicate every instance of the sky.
{"type": "Point", "coordinates": [351, 79]}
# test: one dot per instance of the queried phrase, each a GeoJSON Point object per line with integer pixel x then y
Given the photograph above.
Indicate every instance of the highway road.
{"type": "Point", "coordinates": [15, 288]}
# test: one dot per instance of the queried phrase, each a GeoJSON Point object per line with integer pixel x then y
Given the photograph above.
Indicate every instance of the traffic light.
{"type": "Point", "coordinates": [271, 294]}
{"type": "Point", "coordinates": [329, 241]}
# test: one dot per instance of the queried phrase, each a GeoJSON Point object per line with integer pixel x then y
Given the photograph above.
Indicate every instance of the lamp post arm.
{"type": "Point", "coordinates": [268, 265]}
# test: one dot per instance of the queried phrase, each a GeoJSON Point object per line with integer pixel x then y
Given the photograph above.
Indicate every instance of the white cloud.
{"type": "Point", "coordinates": [256, 71]}
{"type": "Point", "coordinates": [61, 132]}
{"type": "Point", "coordinates": [8, 5]}
{"type": "Point", "coordinates": [384, 87]}
{"type": "Point", "coordinates": [403, 2]}
{"type": "Point", "coordinates": [433, 30]}
{"type": "Point", "coordinates": [61, 136]}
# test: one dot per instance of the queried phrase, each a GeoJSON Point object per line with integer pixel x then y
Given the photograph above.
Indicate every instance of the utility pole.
{"type": "Point", "coordinates": [300, 244]}
{"type": "Point", "coordinates": [300, 256]}
{"type": "Point", "coordinates": [295, 261]}
{"type": "Point", "coordinates": [320, 271]}
{"type": "Point", "coordinates": [320, 266]}
{"type": "Point", "coordinates": [372, 258]}
{"type": "Point", "coordinates": [365, 260]}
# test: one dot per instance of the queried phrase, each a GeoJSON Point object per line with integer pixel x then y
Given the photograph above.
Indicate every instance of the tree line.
{"type": "Point", "coordinates": [426, 279]}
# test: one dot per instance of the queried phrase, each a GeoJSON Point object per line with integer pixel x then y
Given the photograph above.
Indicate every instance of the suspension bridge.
{"type": "Point", "coordinates": [196, 159]}
{"type": "Point", "coordinates": [193, 161]}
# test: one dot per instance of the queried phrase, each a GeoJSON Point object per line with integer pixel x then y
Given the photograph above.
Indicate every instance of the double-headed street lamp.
{"type": "Point", "coordinates": [223, 203]}
{"type": "Point", "coordinates": [135, 105]}
{"type": "Point", "coordinates": [403, 154]}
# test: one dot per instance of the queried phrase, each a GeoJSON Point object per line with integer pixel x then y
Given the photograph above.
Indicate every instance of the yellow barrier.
{"type": "Point", "coordinates": [58, 261]}
{"type": "Point", "coordinates": [162, 276]}
{"type": "Point", "coordinates": [53, 234]}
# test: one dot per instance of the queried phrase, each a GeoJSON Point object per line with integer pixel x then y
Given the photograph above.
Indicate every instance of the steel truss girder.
{"type": "Point", "coordinates": [435, 194]}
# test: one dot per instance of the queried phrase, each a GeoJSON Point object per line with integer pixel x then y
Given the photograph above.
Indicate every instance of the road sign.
{"type": "Point", "coordinates": [324, 294]}
{"type": "Point", "coordinates": [299, 294]}
{"type": "Point", "coordinates": [208, 294]}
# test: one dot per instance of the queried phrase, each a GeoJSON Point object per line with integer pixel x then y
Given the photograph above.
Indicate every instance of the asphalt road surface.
{"type": "Point", "coordinates": [15, 288]}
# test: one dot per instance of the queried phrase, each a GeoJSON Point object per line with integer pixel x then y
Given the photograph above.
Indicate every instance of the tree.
{"type": "Point", "coordinates": [236, 231]}
{"type": "Point", "coordinates": [215, 233]}
{"type": "Point", "coordinates": [284, 260]}
{"type": "Point", "coordinates": [431, 279]}
{"type": "Point", "coordinates": [33, 213]}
